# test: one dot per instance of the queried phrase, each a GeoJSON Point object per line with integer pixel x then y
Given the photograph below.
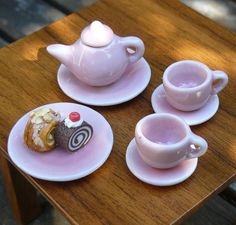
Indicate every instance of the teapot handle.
{"type": "Point", "coordinates": [133, 42]}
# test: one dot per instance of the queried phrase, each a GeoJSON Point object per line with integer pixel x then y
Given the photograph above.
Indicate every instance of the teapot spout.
{"type": "Point", "coordinates": [61, 52]}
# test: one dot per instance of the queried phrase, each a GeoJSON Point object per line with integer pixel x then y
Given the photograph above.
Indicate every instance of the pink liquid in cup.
{"type": "Point", "coordinates": [164, 131]}
{"type": "Point", "coordinates": [187, 77]}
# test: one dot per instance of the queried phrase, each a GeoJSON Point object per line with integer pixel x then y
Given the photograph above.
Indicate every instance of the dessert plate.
{"type": "Point", "coordinates": [131, 84]}
{"type": "Point", "coordinates": [59, 164]}
{"type": "Point", "coordinates": [158, 177]}
{"type": "Point", "coordinates": [160, 105]}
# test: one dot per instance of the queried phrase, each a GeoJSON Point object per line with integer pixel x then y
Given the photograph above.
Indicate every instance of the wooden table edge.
{"type": "Point", "coordinates": [71, 220]}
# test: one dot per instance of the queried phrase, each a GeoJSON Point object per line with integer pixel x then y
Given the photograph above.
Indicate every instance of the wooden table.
{"type": "Point", "coordinates": [112, 195]}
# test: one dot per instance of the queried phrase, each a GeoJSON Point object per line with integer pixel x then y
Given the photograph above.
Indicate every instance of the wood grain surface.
{"type": "Point", "coordinates": [112, 195]}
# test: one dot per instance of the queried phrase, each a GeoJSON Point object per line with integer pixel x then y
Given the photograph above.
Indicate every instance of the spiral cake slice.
{"type": "Point", "coordinates": [73, 133]}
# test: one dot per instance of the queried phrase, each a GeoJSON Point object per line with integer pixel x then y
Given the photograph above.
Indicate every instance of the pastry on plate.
{"type": "Point", "coordinates": [39, 131]}
{"type": "Point", "coordinates": [73, 133]}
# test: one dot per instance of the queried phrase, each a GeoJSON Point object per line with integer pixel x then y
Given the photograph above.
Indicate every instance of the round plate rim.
{"type": "Point", "coordinates": [161, 184]}
{"type": "Point", "coordinates": [190, 123]}
{"type": "Point", "coordinates": [114, 102]}
{"type": "Point", "coordinates": [67, 177]}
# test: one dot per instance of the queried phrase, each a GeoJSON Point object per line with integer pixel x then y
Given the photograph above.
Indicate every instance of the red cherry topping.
{"type": "Point", "coordinates": [74, 116]}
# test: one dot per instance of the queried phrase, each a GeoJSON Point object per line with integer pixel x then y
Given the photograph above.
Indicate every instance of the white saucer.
{"type": "Point", "coordinates": [59, 164]}
{"type": "Point", "coordinates": [131, 84]}
{"type": "Point", "coordinates": [160, 105]}
{"type": "Point", "coordinates": [158, 177]}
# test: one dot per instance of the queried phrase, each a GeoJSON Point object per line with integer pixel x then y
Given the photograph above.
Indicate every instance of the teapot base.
{"type": "Point", "coordinates": [132, 83]}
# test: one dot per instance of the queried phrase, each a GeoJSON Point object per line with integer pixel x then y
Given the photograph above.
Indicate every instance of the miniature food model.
{"type": "Point", "coordinates": [39, 131]}
{"type": "Point", "coordinates": [73, 133]}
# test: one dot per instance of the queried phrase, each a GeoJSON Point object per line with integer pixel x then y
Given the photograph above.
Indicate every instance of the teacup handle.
{"type": "Point", "coordinates": [137, 44]}
{"type": "Point", "coordinates": [222, 80]}
{"type": "Point", "coordinates": [200, 147]}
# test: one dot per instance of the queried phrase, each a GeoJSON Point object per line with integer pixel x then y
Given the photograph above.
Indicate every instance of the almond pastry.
{"type": "Point", "coordinates": [39, 131]}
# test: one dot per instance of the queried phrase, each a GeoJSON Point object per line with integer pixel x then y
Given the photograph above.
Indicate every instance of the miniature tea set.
{"type": "Point", "coordinates": [104, 69]}
{"type": "Point", "coordinates": [101, 69]}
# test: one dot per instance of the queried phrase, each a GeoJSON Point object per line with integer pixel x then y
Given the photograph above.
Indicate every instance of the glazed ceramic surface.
{"type": "Point", "coordinates": [59, 164]}
{"type": "Point", "coordinates": [100, 57]}
{"type": "Point", "coordinates": [154, 176]}
{"type": "Point", "coordinates": [131, 84]}
{"type": "Point", "coordinates": [164, 140]}
{"type": "Point", "coordinates": [189, 84]}
{"type": "Point", "coordinates": [160, 105]}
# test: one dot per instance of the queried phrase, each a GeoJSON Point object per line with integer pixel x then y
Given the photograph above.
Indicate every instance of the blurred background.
{"type": "Point", "coordinates": [34, 14]}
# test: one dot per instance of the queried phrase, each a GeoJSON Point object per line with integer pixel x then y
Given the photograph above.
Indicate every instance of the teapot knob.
{"type": "Point", "coordinates": [97, 35]}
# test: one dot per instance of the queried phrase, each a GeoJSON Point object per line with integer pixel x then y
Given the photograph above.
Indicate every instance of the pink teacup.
{"type": "Point", "coordinates": [164, 140]}
{"type": "Point", "coordinates": [188, 84]}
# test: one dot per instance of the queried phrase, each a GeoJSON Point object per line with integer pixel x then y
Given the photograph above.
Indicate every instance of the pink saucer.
{"type": "Point", "coordinates": [131, 84]}
{"type": "Point", "coordinates": [160, 105]}
{"type": "Point", "coordinates": [59, 164]}
{"type": "Point", "coordinates": [158, 177]}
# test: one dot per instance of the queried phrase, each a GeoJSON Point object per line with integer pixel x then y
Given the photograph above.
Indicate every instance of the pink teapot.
{"type": "Point", "coordinates": [99, 57]}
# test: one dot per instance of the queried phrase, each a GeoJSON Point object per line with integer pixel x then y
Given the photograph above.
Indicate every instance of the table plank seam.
{"type": "Point", "coordinates": [58, 6]}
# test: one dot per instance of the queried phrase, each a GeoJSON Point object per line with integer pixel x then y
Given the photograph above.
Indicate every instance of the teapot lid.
{"type": "Point", "coordinates": [97, 34]}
